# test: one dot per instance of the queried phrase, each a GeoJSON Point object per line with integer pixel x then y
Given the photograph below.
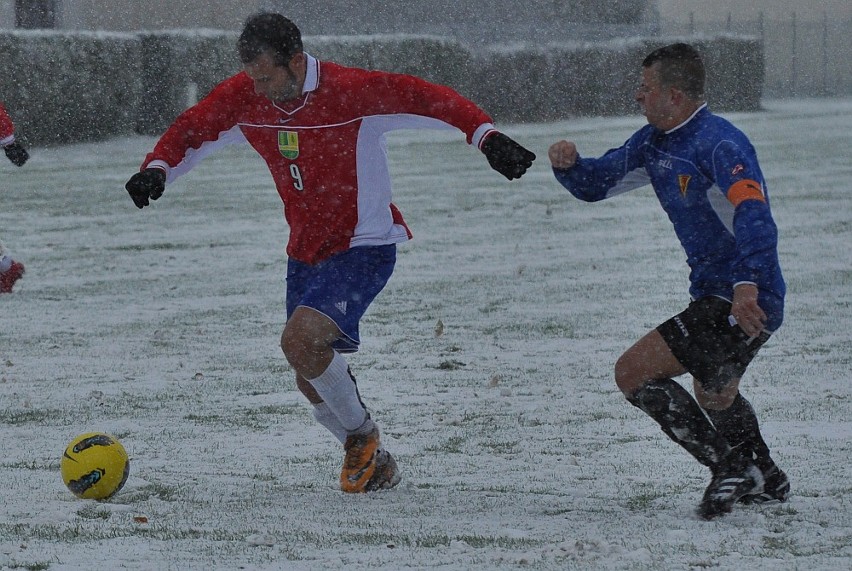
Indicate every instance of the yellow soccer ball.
{"type": "Point", "coordinates": [94, 466]}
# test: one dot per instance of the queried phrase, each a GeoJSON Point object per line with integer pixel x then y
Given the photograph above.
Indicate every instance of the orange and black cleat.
{"type": "Point", "coordinates": [359, 464]}
{"type": "Point", "coordinates": [366, 467]}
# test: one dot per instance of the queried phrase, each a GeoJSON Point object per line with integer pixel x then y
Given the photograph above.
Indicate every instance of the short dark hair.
{"type": "Point", "coordinates": [680, 67]}
{"type": "Point", "coordinates": [269, 32]}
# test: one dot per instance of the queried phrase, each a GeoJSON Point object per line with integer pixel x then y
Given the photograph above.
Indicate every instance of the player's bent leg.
{"type": "Point", "coordinates": [323, 376]}
{"type": "Point", "coordinates": [307, 341]}
{"type": "Point", "coordinates": [649, 358]}
{"type": "Point", "coordinates": [366, 467]}
{"type": "Point", "coordinates": [688, 342]}
{"type": "Point", "coordinates": [682, 420]}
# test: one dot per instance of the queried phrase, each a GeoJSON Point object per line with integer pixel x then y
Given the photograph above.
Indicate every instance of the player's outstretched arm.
{"type": "Point", "coordinates": [506, 156]}
{"type": "Point", "coordinates": [145, 185]}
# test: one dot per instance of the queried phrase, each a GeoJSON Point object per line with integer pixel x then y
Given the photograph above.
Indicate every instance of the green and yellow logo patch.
{"type": "Point", "coordinates": [288, 144]}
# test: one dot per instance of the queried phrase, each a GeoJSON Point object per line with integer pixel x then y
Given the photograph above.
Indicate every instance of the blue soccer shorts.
{"type": "Point", "coordinates": [341, 287]}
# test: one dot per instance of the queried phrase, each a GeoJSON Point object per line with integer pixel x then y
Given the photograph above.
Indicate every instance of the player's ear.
{"type": "Point", "coordinates": [676, 96]}
{"type": "Point", "coordinates": [299, 62]}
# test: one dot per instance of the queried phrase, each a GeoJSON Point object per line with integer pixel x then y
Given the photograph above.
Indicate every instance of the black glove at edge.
{"type": "Point", "coordinates": [147, 184]}
{"type": "Point", "coordinates": [16, 153]}
{"type": "Point", "coordinates": [506, 156]}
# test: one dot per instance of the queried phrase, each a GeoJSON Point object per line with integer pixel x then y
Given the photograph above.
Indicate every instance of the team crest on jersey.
{"type": "Point", "coordinates": [683, 181]}
{"type": "Point", "coordinates": [288, 144]}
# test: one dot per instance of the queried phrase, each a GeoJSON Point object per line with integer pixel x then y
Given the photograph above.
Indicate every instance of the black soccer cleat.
{"type": "Point", "coordinates": [386, 475]}
{"type": "Point", "coordinates": [733, 478]}
{"type": "Point", "coordinates": [776, 487]}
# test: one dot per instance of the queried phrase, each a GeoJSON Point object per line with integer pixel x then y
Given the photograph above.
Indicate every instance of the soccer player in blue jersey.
{"type": "Point", "coordinates": [706, 176]}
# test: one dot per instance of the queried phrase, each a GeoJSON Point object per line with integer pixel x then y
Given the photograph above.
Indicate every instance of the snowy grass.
{"type": "Point", "coordinates": [487, 361]}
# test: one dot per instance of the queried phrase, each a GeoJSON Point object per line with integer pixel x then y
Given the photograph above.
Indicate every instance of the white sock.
{"type": "Point", "coordinates": [325, 417]}
{"type": "Point", "coordinates": [5, 263]}
{"type": "Point", "coordinates": [337, 389]}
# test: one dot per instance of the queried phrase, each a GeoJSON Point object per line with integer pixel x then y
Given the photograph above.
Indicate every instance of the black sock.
{"type": "Point", "coordinates": [738, 424]}
{"type": "Point", "coordinates": [681, 419]}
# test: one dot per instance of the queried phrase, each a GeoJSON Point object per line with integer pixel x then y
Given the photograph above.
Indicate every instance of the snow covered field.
{"type": "Point", "coordinates": [161, 327]}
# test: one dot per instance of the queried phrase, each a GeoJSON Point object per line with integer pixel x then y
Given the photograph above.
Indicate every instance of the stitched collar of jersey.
{"type": "Point", "coordinates": [312, 75]}
{"type": "Point", "coordinates": [690, 118]}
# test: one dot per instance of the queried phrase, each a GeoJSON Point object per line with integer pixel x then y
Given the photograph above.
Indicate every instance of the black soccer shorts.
{"type": "Point", "coordinates": [707, 345]}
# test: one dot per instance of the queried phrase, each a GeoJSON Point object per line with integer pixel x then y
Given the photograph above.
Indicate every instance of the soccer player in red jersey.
{"type": "Point", "coordinates": [321, 129]}
{"type": "Point", "coordinates": [10, 270]}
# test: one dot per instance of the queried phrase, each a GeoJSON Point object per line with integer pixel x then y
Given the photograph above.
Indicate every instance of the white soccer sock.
{"type": "Point", "coordinates": [338, 390]}
{"type": "Point", "coordinates": [325, 417]}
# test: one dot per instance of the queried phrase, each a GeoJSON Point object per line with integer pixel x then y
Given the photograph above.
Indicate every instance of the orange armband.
{"type": "Point", "coordinates": [743, 190]}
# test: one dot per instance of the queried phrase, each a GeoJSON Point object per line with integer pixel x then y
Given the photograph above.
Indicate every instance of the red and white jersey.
{"type": "Point", "coordinates": [326, 150]}
{"type": "Point", "coordinates": [7, 128]}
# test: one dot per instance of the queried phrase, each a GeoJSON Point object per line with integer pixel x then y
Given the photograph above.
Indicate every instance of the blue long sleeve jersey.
{"type": "Point", "coordinates": [706, 176]}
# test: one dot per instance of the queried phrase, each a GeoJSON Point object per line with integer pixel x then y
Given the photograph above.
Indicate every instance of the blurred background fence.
{"type": "Point", "coordinates": [78, 70]}
{"type": "Point", "coordinates": [803, 58]}
{"type": "Point", "coordinates": [65, 86]}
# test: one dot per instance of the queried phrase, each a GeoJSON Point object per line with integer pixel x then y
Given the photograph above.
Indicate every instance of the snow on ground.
{"type": "Point", "coordinates": [162, 327]}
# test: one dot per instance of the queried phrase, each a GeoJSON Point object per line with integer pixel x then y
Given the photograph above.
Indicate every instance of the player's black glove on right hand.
{"type": "Point", "coordinates": [16, 153]}
{"type": "Point", "coordinates": [150, 183]}
{"type": "Point", "coordinates": [506, 156]}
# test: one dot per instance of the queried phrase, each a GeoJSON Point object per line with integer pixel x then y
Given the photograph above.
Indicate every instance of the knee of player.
{"type": "Point", "coordinates": [300, 343]}
{"type": "Point", "coordinates": [292, 343]}
{"type": "Point", "coordinates": [625, 380]}
{"type": "Point", "coordinates": [283, 342]}
{"type": "Point", "coordinates": [716, 396]}
{"type": "Point", "coordinates": [715, 401]}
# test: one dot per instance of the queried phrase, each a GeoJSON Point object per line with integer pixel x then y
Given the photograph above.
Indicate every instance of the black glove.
{"type": "Point", "coordinates": [506, 156]}
{"type": "Point", "coordinates": [150, 183]}
{"type": "Point", "coordinates": [16, 153]}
